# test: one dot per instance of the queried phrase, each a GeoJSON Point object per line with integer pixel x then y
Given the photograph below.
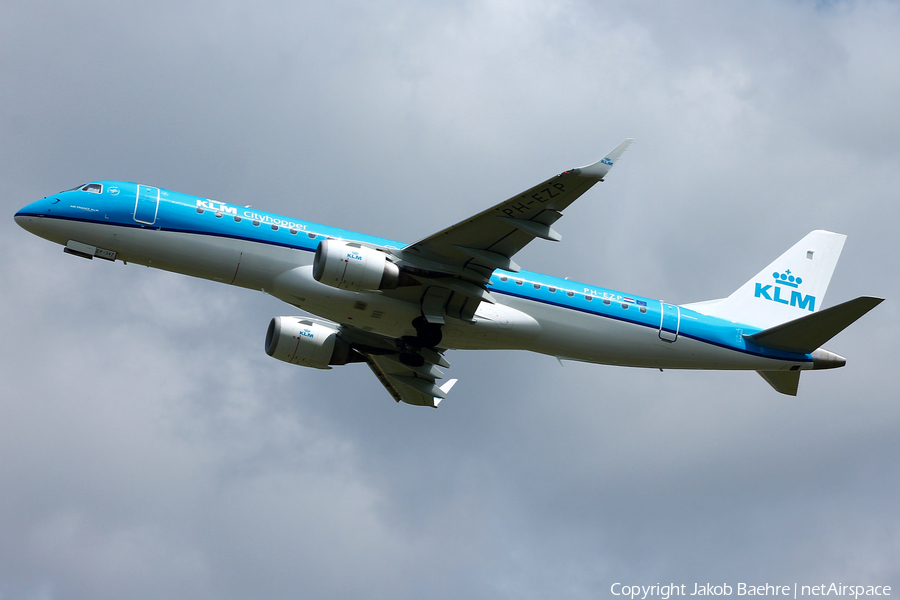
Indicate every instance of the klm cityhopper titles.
{"type": "Point", "coordinates": [399, 307]}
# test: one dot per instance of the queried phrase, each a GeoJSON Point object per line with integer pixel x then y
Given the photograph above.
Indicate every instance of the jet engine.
{"type": "Point", "coordinates": [306, 343]}
{"type": "Point", "coordinates": [351, 266]}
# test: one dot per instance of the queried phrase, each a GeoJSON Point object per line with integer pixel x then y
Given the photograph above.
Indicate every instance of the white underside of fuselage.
{"type": "Point", "coordinates": [511, 323]}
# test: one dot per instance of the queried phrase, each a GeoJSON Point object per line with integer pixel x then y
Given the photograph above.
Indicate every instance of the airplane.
{"type": "Point", "coordinates": [399, 307]}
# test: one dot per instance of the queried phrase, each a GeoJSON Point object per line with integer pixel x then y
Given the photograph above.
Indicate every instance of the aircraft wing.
{"type": "Point", "coordinates": [413, 385]}
{"type": "Point", "coordinates": [473, 248]}
{"type": "Point", "coordinates": [409, 374]}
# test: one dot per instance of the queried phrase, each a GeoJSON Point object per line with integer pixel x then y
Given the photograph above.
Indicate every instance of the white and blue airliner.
{"type": "Point", "coordinates": [399, 307]}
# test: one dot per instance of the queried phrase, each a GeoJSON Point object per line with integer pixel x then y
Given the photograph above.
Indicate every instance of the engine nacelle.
{"type": "Point", "coordinates": [351, 266]}
{"type": "Point", "coordinates": [306, 343]}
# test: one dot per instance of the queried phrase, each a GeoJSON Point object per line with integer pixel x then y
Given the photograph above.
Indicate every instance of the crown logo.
{"type": "Point", "coordinates": [787, 279]}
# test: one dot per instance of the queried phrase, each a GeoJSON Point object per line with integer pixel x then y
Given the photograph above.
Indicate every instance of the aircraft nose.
{"type": "Point", "coordinates": [27, 216]}
{"type": "Point", "coordinates": [39, 207]}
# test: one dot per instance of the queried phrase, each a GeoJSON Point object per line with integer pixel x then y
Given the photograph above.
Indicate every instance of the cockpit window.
{"type": "Point", "coordinates": [93, 187]}
{"type": "Point", "coordinates": [77, 187]}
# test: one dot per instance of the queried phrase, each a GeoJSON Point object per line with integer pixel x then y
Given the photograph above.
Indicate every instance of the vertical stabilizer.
{"type": "Point", "coordinates": [791, 287]}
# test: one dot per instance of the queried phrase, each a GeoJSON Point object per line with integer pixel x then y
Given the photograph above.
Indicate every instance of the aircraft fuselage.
{"type": "Point", "coordinates": [250, 248]}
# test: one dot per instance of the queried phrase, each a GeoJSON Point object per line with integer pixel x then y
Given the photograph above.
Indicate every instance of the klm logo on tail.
{"type": "Point", "coordinates": [783, 283]}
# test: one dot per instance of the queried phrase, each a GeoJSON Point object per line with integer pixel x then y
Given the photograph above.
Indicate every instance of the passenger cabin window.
{"type": "Point", "coordinates": [293, 231]}
{"type": "Point", "coordinates": [624, 306]}
{"type": "Point", "coordinates": [93, 187]}
{"type": "Point", "coordinates": [237, 219]}
{"type": "Point", "coordinates": [588, 297]}
{"type": "Point", "coordinates": [570, 294]}
{"type": "Point", "coordinates": [552, 290]}
{"type": "Point", "coordinates": [199, 210]}
{"type": "Point", "coordinates": [311, 236]}
{"type": "Point", "coordinates": [643, 309]}
{"type": "Point", "coordinates": [537, 286]}
{"type": "Point", "coordinates": [218, 214]}
{"type": "Point", "coordinates": [606, 301]}
{"type": "Point", "coordinates": [274, 227]}
{"type": "Point", "coordinates": [255, 223]}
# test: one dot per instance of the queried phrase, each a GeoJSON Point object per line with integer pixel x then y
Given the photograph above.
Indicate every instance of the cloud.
{"type": "Point", "coordinates": [152, 449]}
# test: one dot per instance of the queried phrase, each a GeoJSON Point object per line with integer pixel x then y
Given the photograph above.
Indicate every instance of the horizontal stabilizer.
{"type": "Point", "coordinates": [806, 334]}
{"type": "Point", "coordinates": [785, 382]}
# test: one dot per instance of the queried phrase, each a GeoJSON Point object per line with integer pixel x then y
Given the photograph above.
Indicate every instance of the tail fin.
{"type": "Point", "coordinates": [791, 287]}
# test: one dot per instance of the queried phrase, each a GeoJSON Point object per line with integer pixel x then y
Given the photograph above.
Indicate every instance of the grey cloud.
{"type": "Point", "coordinates": [150, 448]}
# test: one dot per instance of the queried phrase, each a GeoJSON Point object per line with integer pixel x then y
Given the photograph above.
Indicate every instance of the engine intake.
{"type": "Point", "coordinates": [351, 266]}
{"type": "Point", "coordinates": [306, 343]}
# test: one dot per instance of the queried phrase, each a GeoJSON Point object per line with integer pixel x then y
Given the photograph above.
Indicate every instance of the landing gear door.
{"type": "Point", "coordinates": [146, 205]}
{"type": "Point", "coordinates": [669, 322]}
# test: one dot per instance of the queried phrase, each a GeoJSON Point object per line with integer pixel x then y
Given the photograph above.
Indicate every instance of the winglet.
{"type": "Point", "coordinates": [445, 389]}
{"type": "Point", "coordinates": [599, 169]}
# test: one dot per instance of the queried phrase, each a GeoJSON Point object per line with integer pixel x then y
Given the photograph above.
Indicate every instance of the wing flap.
{"type": "Point", "coordinates": [538, 230]}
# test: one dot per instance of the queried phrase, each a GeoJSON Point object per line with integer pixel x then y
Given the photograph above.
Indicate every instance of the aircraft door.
{"type": "Point", "coordinates": [146, 205]}
{"type": "Point", "coordinates": [669, 322]}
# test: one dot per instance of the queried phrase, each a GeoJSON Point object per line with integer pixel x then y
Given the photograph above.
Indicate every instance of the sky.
{"type": "Point", "coordinates": [150, 448]}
